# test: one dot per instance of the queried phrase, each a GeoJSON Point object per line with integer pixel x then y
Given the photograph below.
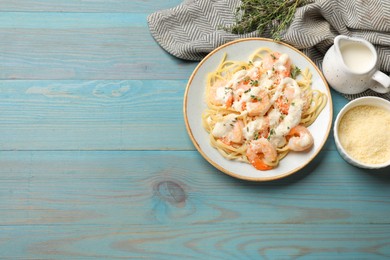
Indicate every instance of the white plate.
{"type": "Point", "coordinates": [194, 105]}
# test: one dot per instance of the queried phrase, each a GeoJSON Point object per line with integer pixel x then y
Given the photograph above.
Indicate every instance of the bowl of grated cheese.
{"type": "Point", "coordinates": [362, 132]}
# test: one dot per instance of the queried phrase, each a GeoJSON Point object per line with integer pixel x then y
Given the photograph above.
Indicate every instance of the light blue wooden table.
{"type": "Point", "coordinates": [95, 160]}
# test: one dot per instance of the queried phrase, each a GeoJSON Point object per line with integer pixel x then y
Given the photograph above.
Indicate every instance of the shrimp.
{"type": "Point", "coordinates": [261, 154]}
{"type": "Point", "coordinates": [279, 64]}
{"type": "Point", "coordinates": [244, 85]}
{"type": "Point", "coordinates": [221, 95]}
{"type": "Point", "coordinates": [254, 73]}
{"type": "Point", "coordinates": [257, 105]}
{"type": "Point", "coordinates": [284, 101]}
{"type": "Point", "coordinates": [235, 135]}
{"type": "Point", "coordinates": [299, 138]}
{"type": "Point", "coordinates": [291, 95]}
{"type": "Point", "coordinates": [257, 128]}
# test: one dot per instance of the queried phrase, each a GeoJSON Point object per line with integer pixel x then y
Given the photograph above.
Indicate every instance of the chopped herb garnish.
{"type": "Point", "coordinates": [295, 72]}
{"type": "Point", "coordinates": [254, 82]}
{"type": "Point", "coordinates": [271, 132]}
{"type": "Point", "coordinates": [273, 56]}
{"type": "Point", "coordinates": [256, 136]}
{"type": "Point", "coordinates": [246, 91]}
{"type": "Point", "coordinates": [256, 98]}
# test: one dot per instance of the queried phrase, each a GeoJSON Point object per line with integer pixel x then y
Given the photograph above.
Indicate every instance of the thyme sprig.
{"type": "Point", "coordinates": [264, 15]}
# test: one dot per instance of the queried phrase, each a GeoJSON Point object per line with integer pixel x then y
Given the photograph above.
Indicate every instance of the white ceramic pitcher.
{"type": "Point", "coordinates": [349, 66]}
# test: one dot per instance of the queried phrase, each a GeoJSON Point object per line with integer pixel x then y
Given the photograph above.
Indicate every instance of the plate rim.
{"type": "Point", "coordinates": [227, 171]}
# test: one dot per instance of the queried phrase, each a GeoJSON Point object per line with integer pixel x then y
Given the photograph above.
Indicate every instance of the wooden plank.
{"type": "Point", "coordinates": [219, 241]}
{"type": "Point", "coordinates": [92, 115]}
{"type": "Point", "coordinates": [83, 46]}
{"type": "Point", "coordinates": [63, 21]}
{"type": "Point", "coordinates": [97, 115]}
{"type": "Point", "coordinates": [106, 6]}
{"type": "Point", "coordinates": [179, 187]}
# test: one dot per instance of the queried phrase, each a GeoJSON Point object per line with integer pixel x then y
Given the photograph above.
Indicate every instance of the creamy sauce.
{"type": "Point", "coordinates": [294, 113]}
{"type": "Point", "coordinates": [357, 57]}
{"type": "Point", "coordinates": [253, 127]}
{"type": "Point", "coordinates": [260, 110]}
{"type": "Point", "coordinates": [281, 62]}
{"type": "Point", "coordinates": [238, 77]}
{"type": "Point", "coordinates": [274, 117]}
{"type": "Point", "coordinates": [221, 95]}
{"type": "Point", "coordinates": [223, 128]}
{"type": "Point", "coordinates": [244, 102]}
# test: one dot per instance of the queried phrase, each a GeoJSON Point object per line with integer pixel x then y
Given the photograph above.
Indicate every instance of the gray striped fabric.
{"type": "Point", "coordinates": [193, 29]}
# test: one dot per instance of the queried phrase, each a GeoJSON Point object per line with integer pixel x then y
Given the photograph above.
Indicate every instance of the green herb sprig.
{"type": "Point", "coordinates": [262, 15]}
{"type": "Point", "coordinates": [295, 71]}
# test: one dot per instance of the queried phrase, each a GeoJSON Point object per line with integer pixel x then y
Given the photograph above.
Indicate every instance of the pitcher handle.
{"type": "Point", "coordinates": [383, 82]}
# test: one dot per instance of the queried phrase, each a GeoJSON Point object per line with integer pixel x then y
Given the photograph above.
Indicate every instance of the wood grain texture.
{"type": "Point", "coordinates": [152, 205]}
{"type": "Point", "coordinates": [95, 161]}
{"type": "Point", "coordinates": [223, 241]}
{"type": "Point", "coordinates": [93, 115]}
{"type": "Point", "coordinates": [96, 115]}
{"type": "Point", "coordinates": [158, 187]}
{"type": "Point", "coordinates": [75, 6]}
{"type": "Point", "coordinates": [83, 46]}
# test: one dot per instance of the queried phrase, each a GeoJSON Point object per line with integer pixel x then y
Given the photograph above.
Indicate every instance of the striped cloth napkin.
{"type": "Point", "coordinates": [193, 28]}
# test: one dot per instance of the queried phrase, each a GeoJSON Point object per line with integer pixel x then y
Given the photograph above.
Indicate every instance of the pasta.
{"type": "Point", "coordinates": [259, 111]}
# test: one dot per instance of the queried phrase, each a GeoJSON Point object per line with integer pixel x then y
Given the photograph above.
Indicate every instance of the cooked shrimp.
{"type": "Point", "coordinates": [242, 87]}
{"type": "Point", "coordinates": [261, 154]}
{"type": "Point", "coordinates": [221, 95]}
{"type": "Point", "coordinates": [229, 130]}
{"type": "Point", "coordinates": [254, 73]}
{"type": "Point", "coordinates": [279, 64]}
{"type": "Point", "coordinates": [299, 138]}
{"type": "Point", "coordinates": [258, 104]}
{"type": "Point", "coordinates": [235, 135]}
{"type": "Point", "coordinates": [257, 128]}
{"type": "Point", "coordinates": [284, 101]}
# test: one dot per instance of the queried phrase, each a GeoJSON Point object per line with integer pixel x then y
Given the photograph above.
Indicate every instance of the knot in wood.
{"type": "Point", "coordinates": [171, 192]}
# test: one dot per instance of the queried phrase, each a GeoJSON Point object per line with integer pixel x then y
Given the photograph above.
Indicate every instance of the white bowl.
{"type": "Point", "coordinates": [371, 101]}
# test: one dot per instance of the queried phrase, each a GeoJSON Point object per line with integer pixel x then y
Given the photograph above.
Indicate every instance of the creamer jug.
{"type": "Point", "coordinates": [349, 66]}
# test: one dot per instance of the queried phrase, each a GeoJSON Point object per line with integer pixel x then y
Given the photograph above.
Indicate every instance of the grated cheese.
{"type": "Point", "coordinates": [364, 132]}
